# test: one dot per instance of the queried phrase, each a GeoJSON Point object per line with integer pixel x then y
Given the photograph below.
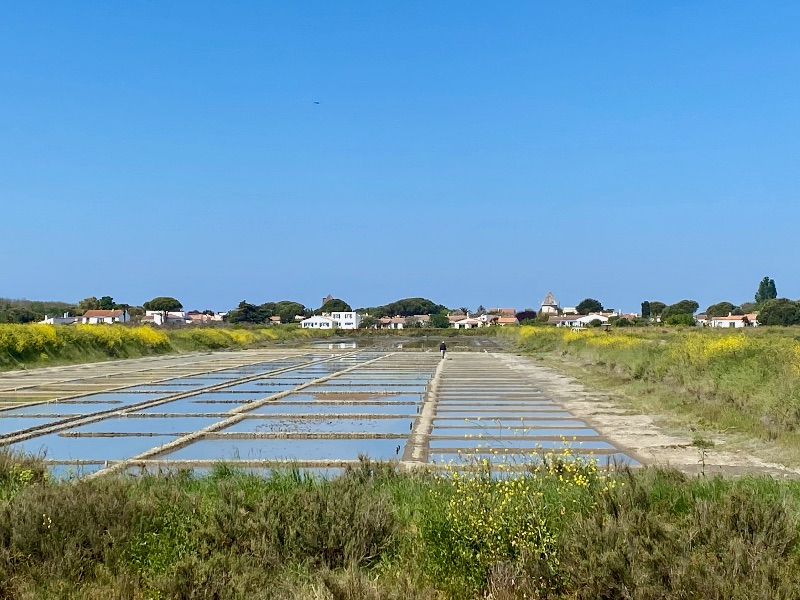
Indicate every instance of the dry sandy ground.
{"type": "Point", "coordinates": [638, 435]}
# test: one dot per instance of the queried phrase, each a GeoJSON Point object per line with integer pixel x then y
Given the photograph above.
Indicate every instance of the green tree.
{"type": "Point", "coordinates": [684, 307]}
{"type": "Point", "coordinates": [526, 315]}
{"type": "Point", "coordinates": [368, 323]}
{"type": "Point", "coordinates": [246, 313]}
{"type": "Point", "coordinates": [106, 303]}
{"type": "Point", "coordinates": [18, 314]}
{"type": "Point", "coordinates": [287, 310]}
{"type": "Point", "coordinates": [90, 303]}
{"type": "Point", "coordinates": [406, 307]}
{"type": "Point", "coordinates": [656, 308]}
{"type": "Point", "coordinates": [645, 309]}
{"type": "Point", "coordinates": [766, 290]}
{"type": "Point", "coordinates": [747, 307]}
{"type": "Point", "coordinates": [589, 305]}
{"type": "Point", "coordinates": [720, 309]}
{"type": "Point", "coordinates": [164, 305]}
{"type": "Point", "coordinates": [440, 321]}
{"type": "Point", "coordinates": [679, 319]}
{"type": "Point", "coordinates": [334, 305]}
{"type": "Point", "coordinates": [779, 311]}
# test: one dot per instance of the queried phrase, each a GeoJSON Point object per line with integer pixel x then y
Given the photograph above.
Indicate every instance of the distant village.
{"type": "Point", "coordinates": [586, 315]}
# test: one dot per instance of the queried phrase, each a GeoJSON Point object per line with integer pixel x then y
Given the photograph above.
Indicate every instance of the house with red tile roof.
{"type": "Point", "coordinates": [736, 321]}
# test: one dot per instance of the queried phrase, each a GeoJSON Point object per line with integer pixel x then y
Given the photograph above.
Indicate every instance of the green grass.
{"type": "Point", "coordinates": [377, 533]}
{"type": "Point", "coordinates": [743, 385]}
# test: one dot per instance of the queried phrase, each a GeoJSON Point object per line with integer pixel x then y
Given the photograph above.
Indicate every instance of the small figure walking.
{"type": "Point", "coordinates": [443, 348]}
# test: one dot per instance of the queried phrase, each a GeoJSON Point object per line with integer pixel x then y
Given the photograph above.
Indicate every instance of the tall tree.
{"type": "Point", "coordinates": [287, 310]}
{"type": "Point", "coordinates": [684, 307]}
{"type": "Point", "coordinates": [645, 309]}
{"type": "Point", "coordinates": [656, 308]}
{"type": "Point", "coordinates": [246, 313]}
{"type": "Point", "coordinates": [106, 303]}
{"type": "Point", "coordinates": [334, 305]}
{"type": "Point", "coordinates": [164, 305]}
{"type": "Point", "coordinates": [589, 305]}
{"type": "Point", "coordinates": [405, 307]}
{"type": "Point", "coordinates": [780, 311]}
{"type": "Point", "coordinates": [720, 309]}
{"type": "Point", "coordinates": [90, 303]}
{"type": "Point", "coordinates": [526, 315]}
{"type": "Point", "coordinates": [766, 290]}
{"type": "Point", "coordinates": [440, 321]}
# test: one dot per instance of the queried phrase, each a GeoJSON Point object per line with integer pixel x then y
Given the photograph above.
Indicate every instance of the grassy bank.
{"type": "Point", "coordinates": [24, 346]}
{"type": "Point", "coordinates": [744, 384]}
{"type": "Point", "coordinates": [563, 532]}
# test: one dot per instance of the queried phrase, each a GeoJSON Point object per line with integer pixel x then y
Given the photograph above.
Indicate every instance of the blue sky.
{"type": "Point", "coordinates": [465, 152]}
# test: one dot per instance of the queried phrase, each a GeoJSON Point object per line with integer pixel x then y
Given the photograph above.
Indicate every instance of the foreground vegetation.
{"type": "Point", "coordinates": [744, 382]}
{"type": "Point", "coordinates": [565, 531]}
{"type": "Point", "coordinates": [37, 345]}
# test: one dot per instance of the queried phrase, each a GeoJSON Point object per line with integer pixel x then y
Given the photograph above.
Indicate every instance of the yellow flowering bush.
{"type": "Point", "coordinates": [492, 513]}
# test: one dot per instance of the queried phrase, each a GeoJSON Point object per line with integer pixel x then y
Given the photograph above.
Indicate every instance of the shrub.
{"type": "Point", "coordinates": [681, 319]}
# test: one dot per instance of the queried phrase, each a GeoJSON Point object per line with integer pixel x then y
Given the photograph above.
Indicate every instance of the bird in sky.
{"type": "Point", "coordinates": [315, 102]}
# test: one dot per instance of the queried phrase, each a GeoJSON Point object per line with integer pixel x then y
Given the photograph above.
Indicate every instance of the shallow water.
{"type": "Point", "coordinates": [189, 406]}
{"type": "Point", "coordinates": [527, 431]}
{"type": "Point", "coordinates": [334, 409]}
{"type": "Point", "coordinates": [57, 447]}
{"type": "Point", "coordinates": [323, 425]}
{"type": "Point", "coordinates": [132, 424]}
{"type": "Point", "coordinates": [64, 410]}
{"type": "Point", "coordinates": [602, 461]}
{"type": "Point", "coordinates": [499, 413]}
{"type": "Point", "coordinates": [227, 395]}
{"type": "Point", "coordinates": [517, 444]}
{"type": "Point", "coordinates": [13, 424]}
{"type": "Point", "coordinates": [324, 449]}
{"type": "Point", "coordinates": [350, 397]}
{"type": "Point", "coordinates": [508, 422]}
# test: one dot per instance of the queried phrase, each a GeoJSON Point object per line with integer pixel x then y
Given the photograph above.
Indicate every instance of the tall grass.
{"type": "Point", "coordinates": [376, 533]}
{"type": "Point", "coordinates": [745, 381]}
{"type": "Point", "coordinates": [40, 344]}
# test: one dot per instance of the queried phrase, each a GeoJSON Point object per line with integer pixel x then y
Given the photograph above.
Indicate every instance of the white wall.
{"type": "Point", "coordinates": [346, 320]}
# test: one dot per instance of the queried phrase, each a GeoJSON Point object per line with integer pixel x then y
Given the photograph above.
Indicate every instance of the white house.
{"type": "Point", "coordinates": [584, 320]}
{"type": "Point", "coordinates": [503, 321]}
{"type": "Point", "coordinates": [737, 321]}
{"type": "Point", "coordinates": [347, 320]}
{"type": "Point", "coordinates": [468, 323]}
{"type": "Point", "coordinates": [158, 317]}
{"type": "Point", "coordinates": [337, 320]}
{"type": "Point", "coordinates": [392, 322]}
{"type": "Point", "coordinates": [195, 317]}
{"type": "Point", "coordinates": [564, 321]}
{"type": "Point", "coordinates": [576, 320]}
{"type": "Point", "coordinates": [318, 322]}
{"type": "Point", "coordinates": [97, 317]}
{"type": "Point", "coordinates": [66, 319]}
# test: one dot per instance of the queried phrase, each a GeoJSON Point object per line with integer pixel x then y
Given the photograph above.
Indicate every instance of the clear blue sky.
{"type": "Point", "coordinates": [471, 153]}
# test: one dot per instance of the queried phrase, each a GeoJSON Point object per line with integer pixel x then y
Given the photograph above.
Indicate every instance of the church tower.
{"type": "Point", "coordinates": [550, 305]}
